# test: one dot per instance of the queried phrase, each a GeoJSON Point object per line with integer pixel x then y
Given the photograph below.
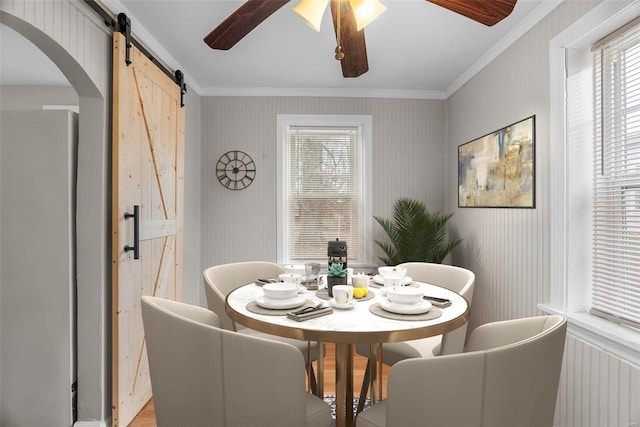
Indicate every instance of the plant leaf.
{"type": "Point", "coordinates": [415, 234]}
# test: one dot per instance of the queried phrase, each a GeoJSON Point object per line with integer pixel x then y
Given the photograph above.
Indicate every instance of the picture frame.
{"type": "Point", "coordinates": [498, 170]}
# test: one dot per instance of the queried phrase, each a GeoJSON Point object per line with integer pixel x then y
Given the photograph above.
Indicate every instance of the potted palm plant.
{"type": "Point", "coordinates": [415, 234]}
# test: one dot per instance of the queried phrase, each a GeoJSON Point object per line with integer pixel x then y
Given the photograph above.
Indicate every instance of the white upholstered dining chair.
{"type": "Point", "coordinates": [456, 279]}
{"type": "Point", "coordinates": [220, 280]}
{"type": "Point", "coordinates": [202, 375]}
{"type": "Point", "coordinates": [508, 376]}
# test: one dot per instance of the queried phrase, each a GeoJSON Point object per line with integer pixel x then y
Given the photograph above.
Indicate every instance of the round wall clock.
{"type": "Point", "coordinates": [235, 170]}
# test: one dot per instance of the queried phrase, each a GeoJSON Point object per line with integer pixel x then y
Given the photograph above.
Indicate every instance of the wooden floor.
{"type": "Point", "coordinates": [146, 417]}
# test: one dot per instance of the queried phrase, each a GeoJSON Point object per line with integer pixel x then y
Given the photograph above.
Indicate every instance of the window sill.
{"type": "Point", "coordinates": [618, 340]}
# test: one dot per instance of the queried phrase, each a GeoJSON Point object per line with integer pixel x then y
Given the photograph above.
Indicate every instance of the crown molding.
{"type": "Point", "coordinates": [323, 92]}
{"type": "Point", "coordinates": [145, 37]}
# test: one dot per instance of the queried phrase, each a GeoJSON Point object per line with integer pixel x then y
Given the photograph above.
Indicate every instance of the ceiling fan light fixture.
{"type": "Point", "coordinates": [366, 11]}
{"type": "Point", "coordinates": [311, 12]}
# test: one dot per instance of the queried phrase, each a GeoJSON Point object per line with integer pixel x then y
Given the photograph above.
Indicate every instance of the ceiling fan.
{"type": "Point", "coordinates": [351, 50]}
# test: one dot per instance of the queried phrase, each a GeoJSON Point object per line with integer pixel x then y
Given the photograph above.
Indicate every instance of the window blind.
{"type": "Point", "coordinates": [323, 188]}
{"type": "Point", "coordinates": [616, 180]}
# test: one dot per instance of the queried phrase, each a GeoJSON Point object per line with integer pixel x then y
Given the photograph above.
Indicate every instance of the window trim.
{"type": "Point", "coordinates": [568, 296]}
{"type": "Point", "coordinates": [365, 122]}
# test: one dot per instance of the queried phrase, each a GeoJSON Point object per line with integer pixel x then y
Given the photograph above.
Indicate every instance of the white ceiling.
{"type": "Point", "coordinates": [415, 48]}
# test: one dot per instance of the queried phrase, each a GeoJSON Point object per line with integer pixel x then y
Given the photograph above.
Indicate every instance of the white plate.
{"type": "Point", "coordinates": [380, 281]}
{"type": "Point", "coordinates": [345, 306]}
{"type": "Point", "coordinates": [301, 289]}
{"type": "Point", "coordinates": [394, 307]}
{"type": "Point", "coordinates": [280, 304]}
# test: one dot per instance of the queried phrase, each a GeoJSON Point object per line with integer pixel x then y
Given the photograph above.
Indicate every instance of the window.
{"type": "Point", "coordinates": [616, 179]}
{"type": "Point", "coordinates": [323, 187]}
{"type": "Point", "coordinates": [573, 122]}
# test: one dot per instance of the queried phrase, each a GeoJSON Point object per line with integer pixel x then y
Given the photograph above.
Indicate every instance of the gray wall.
{"type": "Point", "coordinates": [35, 97]}
{"type": "Point", "coordinates": [193, 290]}
{"type": "Point", "coordinates": [408, 147]}
{"type": "Point", "coordinates": [509, 249]}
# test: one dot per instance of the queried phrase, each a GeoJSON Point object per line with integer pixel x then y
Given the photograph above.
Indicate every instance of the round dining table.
{"type": "Point", "coordinates": [347, 327]}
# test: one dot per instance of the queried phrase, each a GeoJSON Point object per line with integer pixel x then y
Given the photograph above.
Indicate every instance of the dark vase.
{"type": "Point", "coordinates": [332, 281]}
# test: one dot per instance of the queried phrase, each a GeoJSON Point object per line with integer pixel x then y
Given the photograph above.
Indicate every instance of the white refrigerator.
{"type": "Point", "coordinates": [37, 271]}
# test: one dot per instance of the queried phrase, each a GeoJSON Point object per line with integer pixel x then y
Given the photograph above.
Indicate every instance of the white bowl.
{"type": "Point", "coordinates": [392, 272]}
{"type": "Point", "coordinates": [392, 276]}
{"type": "Point", "coordinates": [280, 290]}
{"type": "Point", "coordinates": [405, 294]}
{"type": "Point", "coordinates": [291, 278]}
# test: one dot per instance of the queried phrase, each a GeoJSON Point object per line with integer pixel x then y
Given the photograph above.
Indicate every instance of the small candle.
{"type": "Point", "coordinates": [360, 280]}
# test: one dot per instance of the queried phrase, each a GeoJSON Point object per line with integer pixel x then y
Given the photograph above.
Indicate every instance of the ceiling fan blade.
{"type": "Point", "coordinates": [355, 61]}
{"type": "Point", "coordinates": [241, 22]}
{"type": "Point", "coordinates": [483, 11]}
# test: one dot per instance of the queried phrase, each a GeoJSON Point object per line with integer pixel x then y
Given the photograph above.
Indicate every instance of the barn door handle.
{"type": "Point", "coordinates": [136, 232]}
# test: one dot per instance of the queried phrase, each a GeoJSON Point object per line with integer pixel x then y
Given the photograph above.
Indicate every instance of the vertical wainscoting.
{"type": "Point", "coordinates": [597, 388]}
{"type": "Point", "coordinates": [408, 147]}
{"type": "Point", "coordinates": [500, 247]}
{"type": "Point", "coordinates": [509, 249]}
{"type": "Point", "coordinates": [75, 27]}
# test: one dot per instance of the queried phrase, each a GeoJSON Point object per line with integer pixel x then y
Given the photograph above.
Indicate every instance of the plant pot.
{"type": "Point", "coordinates": [332, 281]}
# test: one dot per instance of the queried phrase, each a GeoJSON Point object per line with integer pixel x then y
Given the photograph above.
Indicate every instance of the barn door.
{"type": "Point", "coordinates": [148, 146]}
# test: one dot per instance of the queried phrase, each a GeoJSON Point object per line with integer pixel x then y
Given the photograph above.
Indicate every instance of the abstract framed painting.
{"type": "Point", "coordinates": [498, 170]}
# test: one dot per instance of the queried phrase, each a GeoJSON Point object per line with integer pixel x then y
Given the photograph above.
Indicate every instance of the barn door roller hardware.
{"type": "Point", "coordinates": [123, 25]}
{"type": "Point", "coordinates": [183, 86]}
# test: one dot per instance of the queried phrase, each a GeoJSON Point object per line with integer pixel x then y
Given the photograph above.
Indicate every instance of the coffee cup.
{"type": "Point", "coordinates": [291, 278]}
{"type": "Point", "coordinates": [342, 294]}
{"type": "Point", "coordinates": [295, 269]}
{"type": "Point", "coordinates": [392, 282]}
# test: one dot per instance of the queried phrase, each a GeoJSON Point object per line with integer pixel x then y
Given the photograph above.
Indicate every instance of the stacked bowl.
{"type": "Point", "coordinates": [392, 276]}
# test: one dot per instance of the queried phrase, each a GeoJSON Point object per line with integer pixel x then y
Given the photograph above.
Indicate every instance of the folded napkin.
{"type": "Point", "coordinates": [302, 315]}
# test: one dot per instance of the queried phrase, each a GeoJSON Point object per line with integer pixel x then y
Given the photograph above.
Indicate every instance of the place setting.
{"type": "Point", "coordinates": [361, 291]}
{"type": "Point", "coordinates": [279, 298]}
{"type": "Point", "coordinates": [405, 303]}
{"type": "Point", "coordinates": [346, 297]}
{"type": "Point", "coordinates": [343, 297]}
{"type": "Point", "coordinates": [309, 312]}
{"type": "Point", "coordinates": [392, 276]}
{"type": "Point", "coordinates": [309, 273]}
